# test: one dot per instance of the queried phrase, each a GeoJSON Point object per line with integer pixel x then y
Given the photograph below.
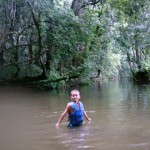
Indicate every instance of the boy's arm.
{"type": "Point", "coordinates": [62, 116]}
{"type": "Point", "coordinates": [86, 116]}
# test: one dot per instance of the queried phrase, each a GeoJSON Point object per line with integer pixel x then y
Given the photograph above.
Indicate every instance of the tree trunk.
{"type": "Point", "coordinates": [137, 52]}
{"type": "Point", "coordinates": [77, 7]}
{"type": "Point", "coordinates": [37, 25]}
{"type": "Point", "coordinates": [2, 60]}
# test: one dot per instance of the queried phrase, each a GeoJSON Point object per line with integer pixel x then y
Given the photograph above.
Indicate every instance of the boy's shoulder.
{"type": "Point", "coordinates": [70, 103]}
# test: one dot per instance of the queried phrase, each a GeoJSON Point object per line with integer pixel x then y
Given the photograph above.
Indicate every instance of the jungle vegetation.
{"type": "Point", "coordinates": [54, 43]}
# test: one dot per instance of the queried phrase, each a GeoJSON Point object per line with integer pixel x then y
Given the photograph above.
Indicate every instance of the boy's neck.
{"type": "Point", "coordinates": [76, 101]}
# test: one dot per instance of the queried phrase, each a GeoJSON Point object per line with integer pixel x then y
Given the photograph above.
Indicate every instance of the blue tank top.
{"type": "Point", "coordinates": [77, 116]}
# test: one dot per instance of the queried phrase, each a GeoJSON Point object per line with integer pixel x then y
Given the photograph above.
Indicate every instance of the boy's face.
{"type": "Point", "coordinates": [75, 96]}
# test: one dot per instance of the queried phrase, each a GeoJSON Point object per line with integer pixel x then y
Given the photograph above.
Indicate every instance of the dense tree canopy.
{"type": "Point", "coordinates": [56, 43]}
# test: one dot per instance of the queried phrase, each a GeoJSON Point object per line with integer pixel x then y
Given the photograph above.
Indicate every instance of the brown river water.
{"type": "Point", "coordinates": [120, 113]}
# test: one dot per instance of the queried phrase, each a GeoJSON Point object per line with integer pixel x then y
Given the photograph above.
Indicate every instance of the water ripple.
{"type": "Point", "coordinates": [85, 147]}
{"type": "Point", "coordinates": [72, 141]}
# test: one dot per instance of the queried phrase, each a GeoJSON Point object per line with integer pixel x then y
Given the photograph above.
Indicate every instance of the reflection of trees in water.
{"type": "Point", "coordinates": [137, 97]}
{"type": "Point", "coordinates": [99, 85]}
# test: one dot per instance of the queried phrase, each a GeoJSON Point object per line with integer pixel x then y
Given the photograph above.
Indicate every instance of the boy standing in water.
{"type": "Point", "coordinates": [75, 110]}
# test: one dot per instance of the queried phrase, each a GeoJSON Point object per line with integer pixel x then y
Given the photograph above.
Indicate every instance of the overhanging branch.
{"type": "Point", "coordinates": [25, 61]}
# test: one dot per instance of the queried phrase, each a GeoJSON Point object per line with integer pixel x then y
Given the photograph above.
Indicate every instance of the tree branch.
{"type": "Point", "coordinates": [21, 62]}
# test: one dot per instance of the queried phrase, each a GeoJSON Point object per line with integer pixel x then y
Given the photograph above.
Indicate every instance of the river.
{"type": "Point", "coordinates": [120, 113]}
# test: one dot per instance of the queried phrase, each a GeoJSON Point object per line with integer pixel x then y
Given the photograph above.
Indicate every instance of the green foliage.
{"type": "Point", "coordinates": [146, 64]}
{"type": "Point", "coordinates": [8, 73]}
{"type": "Point", "coordinates": [46, 38]}
{"type": "Point", "coordinates": [30, 71]}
